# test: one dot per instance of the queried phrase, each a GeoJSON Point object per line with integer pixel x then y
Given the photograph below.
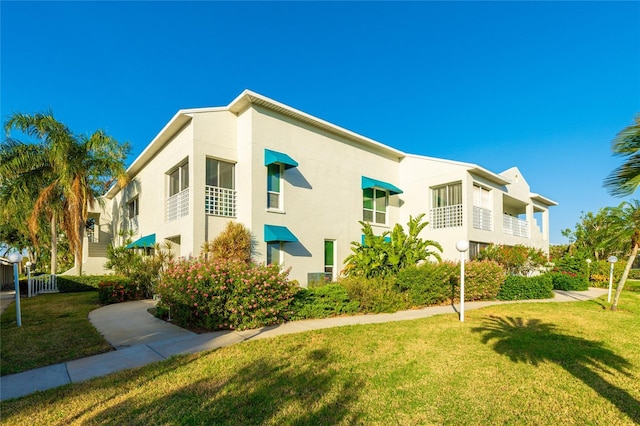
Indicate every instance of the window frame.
{"type": "Point", "coordinates": [334, 259]}
{"type": "Point", "coordinates": [279, 248]}
{"type": "Point", "coordinates": [182, 170]}
{"type": "Point", "coordinates": [135, 204]}
{"type": "Point", "coordinates": [373, 210]}
{"type": "Point", "coordinates": [218, 162]}
{"type": "Point", "coordinates": [279, 193]}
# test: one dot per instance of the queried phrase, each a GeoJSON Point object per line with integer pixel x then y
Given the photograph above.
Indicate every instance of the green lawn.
{"type": "Point", "coordinates": [55, 328]}
{"type": "Point", "coordinates": [530, 363]}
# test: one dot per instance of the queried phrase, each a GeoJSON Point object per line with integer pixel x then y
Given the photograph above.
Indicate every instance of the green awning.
{"type": "Point", "coordinates": [374, 183]}
{"type": "Point", "coordinates": [275, 157]}
{"type": "Point", "coordinates": [278, 233]}
{"type": "Point", "coordinates": [146, 241]}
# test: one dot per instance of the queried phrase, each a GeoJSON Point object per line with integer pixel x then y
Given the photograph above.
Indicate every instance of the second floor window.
{"type": "Point", "coordinates": [132, 208]}
{"type": "Point", "coordinates": [179, 179]}
{"type": "Point", "coordinates": [447, 195]}
{"type": "Point", "coordinates": [220, 174]}
{"type": "Point", "coordinates": [274, 186]}
{"type": "Point", "coordinates": [374, 205]}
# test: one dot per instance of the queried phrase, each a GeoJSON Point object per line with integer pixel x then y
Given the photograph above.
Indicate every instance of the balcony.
{"type": "Point", "coordinates": [177, 205]}
{"type": "Point", "coordinates": [482, 219]}
{"type": "Point", "coordinates": [516, 227]}
{"type": "Point", "coordinates": [446, 217]}
{"type": "Point", "coordinates": [220, 201]}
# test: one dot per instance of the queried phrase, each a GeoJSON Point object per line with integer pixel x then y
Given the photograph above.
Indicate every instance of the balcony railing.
{"type": "Point", "coordinates": [514, 226]}
{"type": "Point", "coordinates": [482, 219]}
{"type": "Point", "coordinates": [446, 217]}
{"type": "Point", "coordinates": [177, 205]}
{"type": "Point", "coordinates": [220, 201]}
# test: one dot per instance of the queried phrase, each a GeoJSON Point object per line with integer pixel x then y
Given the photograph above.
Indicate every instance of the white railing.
{"type": "Point", "coordinates": [220, 201]}
{"type": "Point", "coordinates": [41, 284]}
{"type": "Point", "coordinates": [446, 217]}
{"type": "Point", "coordinates": [177, 205]}
{"type": "Point", "coordinates": [514, 226]}
{"type": "Point", "coordinates": [482, 219]}
{"type": "Point", "coordinates": [92, 235]}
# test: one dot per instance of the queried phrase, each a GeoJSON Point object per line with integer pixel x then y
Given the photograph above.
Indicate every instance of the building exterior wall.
{"type": "Point", "coordinates": [322, 196]}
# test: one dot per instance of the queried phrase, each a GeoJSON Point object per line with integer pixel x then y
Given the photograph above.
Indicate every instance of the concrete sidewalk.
{"type": "Point", "coordinates": [140, 339]}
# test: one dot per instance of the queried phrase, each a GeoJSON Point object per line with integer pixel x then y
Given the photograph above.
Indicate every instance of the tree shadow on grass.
{"type": "Point", "coordinates": [532, 341]}
{"type": "Point", "coordinates": [265, 391]}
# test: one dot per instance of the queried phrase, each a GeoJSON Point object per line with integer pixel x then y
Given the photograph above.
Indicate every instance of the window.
{"type": "Point", "coordinates": [446, 206]}
{"type": "Point", "coordinates": [475, 248]}
{"type": "Point", "coordinates": [482, 216]}
{"type": "Point", "coordinates": [220, 174]}
{"type": "Point", "coordinates": [179, 179]}
{"type": "Point", "coordinates": [177, 203]}
{"type": "Point", "coordinates": [447, 195]}
{"type": "Point", "coordinates": [132, 208]}
{"type": "Point", "coordinates": [274, 253]}
{"type": "Point", "coordinates": [330, 260]}
{"type": "Point", "coordinates": [274, 185]}
{"type": "Point", "coordinates": [374, 205]}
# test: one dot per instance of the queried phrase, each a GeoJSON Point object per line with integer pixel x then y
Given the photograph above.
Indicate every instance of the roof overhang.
{"type": "Point", "coordinates": [544, 200]}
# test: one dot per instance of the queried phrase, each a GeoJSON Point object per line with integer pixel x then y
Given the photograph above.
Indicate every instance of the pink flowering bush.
{"type": "Point", "coordinates": [214, 294]}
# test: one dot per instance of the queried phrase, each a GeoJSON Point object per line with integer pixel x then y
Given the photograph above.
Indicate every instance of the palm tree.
{"type": "Point", "coordinates": [625, 226]}
{"type": "Point", "coordinates": [81, 169]}
{"type": "Point", "coordinates": [625, 179]}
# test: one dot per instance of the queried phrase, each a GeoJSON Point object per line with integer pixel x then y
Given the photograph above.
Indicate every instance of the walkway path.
{"type": "Point", "coordinates": [140, 339]}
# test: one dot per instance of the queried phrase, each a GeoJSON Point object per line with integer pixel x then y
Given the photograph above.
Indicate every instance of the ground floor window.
{"type": "Point", "coordinates": [475, 248]}
{"type": "Point", "coordinates": [330, 260]}
{"type": "Point", "coordinates": [274, 253]}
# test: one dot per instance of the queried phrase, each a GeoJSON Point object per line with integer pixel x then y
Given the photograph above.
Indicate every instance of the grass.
{"type": "Point", "coordinates": [530, 363]}
{"type": "Point", "coordinates": [55, 328]}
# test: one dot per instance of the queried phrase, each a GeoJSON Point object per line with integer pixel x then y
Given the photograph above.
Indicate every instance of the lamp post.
{"type": "Point", "coordinates": [462, 246]}
{"type": "Point", "coordinates": [28, 265]}
{"type": "Point", "coordinates": [611, 260]}
{"type": "Point", "coordinates": [16, 258]}
{"type": "Point", "coordinates": [588, 271]}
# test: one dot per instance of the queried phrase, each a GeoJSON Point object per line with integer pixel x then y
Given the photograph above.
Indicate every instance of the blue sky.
{"type": "Point", "coordinates": [544, 86]}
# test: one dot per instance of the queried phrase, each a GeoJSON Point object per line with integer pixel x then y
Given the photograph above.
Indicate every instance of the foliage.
{"type": "Point", "coordinates": [321, 302]}
{"type": "Point", "coordinates": [143, 271]}
{"type": "Point", "coordinates": [624, 180]}
{"type": "Point", "coordinates": [565, 280]}
{"type": "Point", "coordinates": [390, 252]}
{"type": "Point", "coordinates": [235, 242]}
{"type": "Point", "coordinates": [429, 283]}
{"type": "Point", "coordinates": [117, 290]}
{"type": "Point", "coordinates": [74, 171]}
{"type": "Point", "coordinates": [483, 279]}
{"type": "Point", "coordinates": [76, 284]}
{"type": "Point", "coordinates": [522, 288]}
{"type": "Point", "coordinates": [213, 294]}
{"type": "Point", "coordinates": [377, 294]}
{"type": "Point", "coordinates": [591, 238]}
{"type": "Point", "coordinates": [516, 260]}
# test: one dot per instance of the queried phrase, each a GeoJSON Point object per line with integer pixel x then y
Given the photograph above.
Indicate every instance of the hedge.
{"type": "Point", "coordinates": [321, 302]}
{"type": "Point", "coordinates": [568, 281]}
{"type": "Point", "coordinates": [522, 288]}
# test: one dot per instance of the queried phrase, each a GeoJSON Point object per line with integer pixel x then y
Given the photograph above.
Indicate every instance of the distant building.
{"type": "Point", "coordinates": [301, 184]}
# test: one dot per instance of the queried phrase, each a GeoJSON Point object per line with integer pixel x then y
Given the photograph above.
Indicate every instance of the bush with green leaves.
{"type": "Point", "coordinates": [75, 284]}
{"type": "Point", "coordinates": [516, 260]}
{"type": "Point", "coordinates": [390, 252]}
{"type": "Point", "coordinates": [378, 294]}
{"type": "Point", "coordinates": [429, 283]}
{"type": "Point", "coordinates": [483, 279]}
{"type": "Point", "coordinates": [118, 289]}
{"type": "Point", "coordinates": [324, 301]}
{"type": "Point", "coordinates": [212, 294]}
{"type": "Point", "coordinates": [235, 242]}
{"type": "Point", "coordinates": [568, 281]}
{"type": "Point", "coordinates": [522, 288]}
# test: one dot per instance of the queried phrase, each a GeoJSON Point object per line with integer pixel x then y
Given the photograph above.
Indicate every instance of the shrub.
{"type": "Point", "coordinates": [213, 294]}
{"type": "Point", "coordinates": [117, 290]}
{"type": "Point", "coordinates": [233, 243]}
{"type": "Point", "coordinates": [634, 274]}
{"type": "Point", "coordinates": [75, 284]}
{"type": "Point", "coordinates": [429, 283]}
{"type": "Point", "coordinates": [568, 281]}
{"type": "Point", "coordinates": [321, 302]}
{"type": "Point", "coordinates": [522, 288]}
{"type": "Point", "coordinates": [380, 294]}
{"type": "Point", "coordinates": [516, 260]}
{"type": "Point", "coordinates": [482, 280]}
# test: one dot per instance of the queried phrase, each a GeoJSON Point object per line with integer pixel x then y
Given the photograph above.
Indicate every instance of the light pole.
{"type": "Point", "coordinates": [462, 246]}
{"type": "Point", "coordinates": [28, 265]}
{"type": "Point", "coordinates": [16, 258]}
{"type": "Point", "coordinates": [611, 260]}
{"type": "Point", "coordinates": [588, 271]}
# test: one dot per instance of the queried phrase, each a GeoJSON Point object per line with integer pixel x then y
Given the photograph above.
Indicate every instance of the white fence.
{"type": "Point", "coordinates": [42, 284]}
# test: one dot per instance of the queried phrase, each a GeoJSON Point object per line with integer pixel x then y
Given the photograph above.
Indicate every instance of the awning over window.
{"type": "Point", "coordinates": [374, 183]}
{"type": "Point", "coordinates": [278, 233]}
{"type": "Point", "coordinates": [146, 241]}
{"type": "Point", "coordinates": [275, 157]}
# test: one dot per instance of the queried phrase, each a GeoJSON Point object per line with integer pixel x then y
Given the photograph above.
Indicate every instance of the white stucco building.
{"type": "Point", "coordinates": [301, 185]}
